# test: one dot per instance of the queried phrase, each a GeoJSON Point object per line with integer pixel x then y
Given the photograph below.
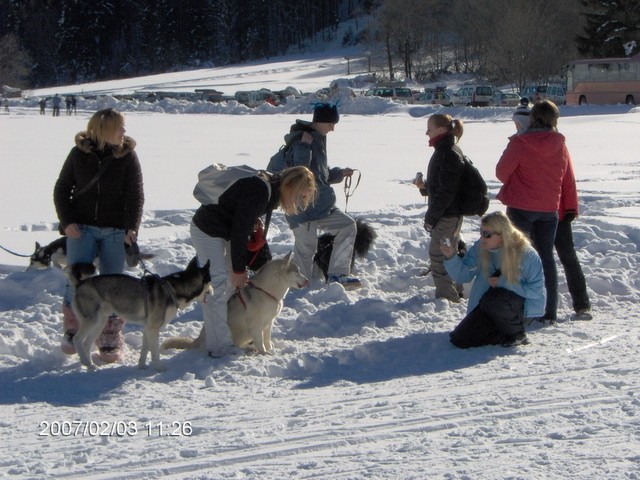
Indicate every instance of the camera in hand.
{"type": "Point", "coordinates": [419, 178]}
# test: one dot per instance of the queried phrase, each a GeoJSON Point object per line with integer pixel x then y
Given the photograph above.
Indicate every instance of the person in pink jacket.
{"type": "Point", "coordinates": [536, 172]}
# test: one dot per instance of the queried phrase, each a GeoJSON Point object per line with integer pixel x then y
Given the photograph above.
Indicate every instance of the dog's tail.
{"type": "Point", "coordinates": [365, 238]}
{"type": "Point", "coordinates": [182, 343]}
{"type": "Point", "coordinates": [80, 271]}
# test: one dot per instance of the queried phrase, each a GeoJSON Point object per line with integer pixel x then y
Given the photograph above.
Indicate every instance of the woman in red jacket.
{"type": "Point", "coordinates": [536, 172]}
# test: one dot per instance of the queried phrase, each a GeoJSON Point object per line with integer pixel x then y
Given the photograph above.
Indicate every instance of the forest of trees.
{"type": "Point", "coordinates": [57, 42]}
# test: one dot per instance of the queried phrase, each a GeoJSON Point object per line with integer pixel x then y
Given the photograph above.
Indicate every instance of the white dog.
{"type": "Point", "coordinates": [252, 310]}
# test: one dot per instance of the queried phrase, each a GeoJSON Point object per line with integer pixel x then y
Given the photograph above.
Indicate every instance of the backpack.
{"type": "Point", "coordinates": [473, 190]}
{"type": "Point", "coordinates": [283, 158]}
{"type": "Point", "coordinates": [214, 180]}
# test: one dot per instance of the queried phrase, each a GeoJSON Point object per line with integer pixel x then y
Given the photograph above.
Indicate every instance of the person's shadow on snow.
{"type": "Point", "coordinates": [379, 361]}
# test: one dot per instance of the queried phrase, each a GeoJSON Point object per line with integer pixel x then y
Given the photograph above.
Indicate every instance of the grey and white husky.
{"type": "Point", "coordinates": [252, 310]}
{"type": "Point", "coordinates": [152, 301]}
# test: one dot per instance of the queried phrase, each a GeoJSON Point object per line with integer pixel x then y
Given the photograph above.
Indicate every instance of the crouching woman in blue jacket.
{"type": "Point", "coordinates": [508, 284]}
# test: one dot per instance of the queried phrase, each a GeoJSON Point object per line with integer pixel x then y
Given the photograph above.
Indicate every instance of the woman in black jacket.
{"type": "Point", "coordinates": [99, 199]}
{"type": "Point", "coordinates": [220, 233]}
{"type": "Point", "coordinates": [443, 219]}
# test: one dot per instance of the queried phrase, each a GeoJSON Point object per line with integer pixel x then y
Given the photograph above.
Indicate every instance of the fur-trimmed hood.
{"type": "Point", "coordinates": [85, 144]}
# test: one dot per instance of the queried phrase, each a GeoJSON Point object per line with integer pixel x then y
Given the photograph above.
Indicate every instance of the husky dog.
{"type": "Point", "coordinates": [152, 301]}
{"type": "Point", "coordinates": [252, 309]}
{"type": "Point", "coordinates": [55, 254]}
{"type": "Point", "coordinates": [365, 236]}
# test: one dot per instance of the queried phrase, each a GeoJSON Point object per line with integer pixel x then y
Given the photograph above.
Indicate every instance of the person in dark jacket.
{"type": "Point", "coordinates": [308, 142]}
{"type": "Point", "coordinates": [443, 219]}
{"type": "Point", "coordinates": [508, 284]}
{"type": "Point", "coordinates": [220, 233]}
{"type": "Point", "coordinates": [101, 220]}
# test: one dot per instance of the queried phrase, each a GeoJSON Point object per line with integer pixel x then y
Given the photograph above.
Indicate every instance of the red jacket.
{"type": "Point", "coordinates": [537, 173]}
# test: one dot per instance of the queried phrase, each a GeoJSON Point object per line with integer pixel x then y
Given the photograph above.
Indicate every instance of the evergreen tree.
{"type": "Point", "coordinates": [612, 28]}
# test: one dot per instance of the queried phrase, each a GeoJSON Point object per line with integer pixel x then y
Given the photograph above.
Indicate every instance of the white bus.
{"type": "Point", "coordinates": [603, 81]}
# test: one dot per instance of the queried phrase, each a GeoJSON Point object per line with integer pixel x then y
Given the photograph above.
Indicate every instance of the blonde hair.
{"type": "Point", "coordinates": [297, 189]}
{"type": "Point", "coordinates": [444, 120]}
{"type": "Point", "coordinates": [103, 125]}
{"type": "Point", "coordinates": [514, 243]}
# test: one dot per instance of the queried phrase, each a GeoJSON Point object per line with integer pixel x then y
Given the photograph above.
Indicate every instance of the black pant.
{"type": "Point", "coordinates": [566, 251]}
{"type": "Point", "coordinates": [498, 318]}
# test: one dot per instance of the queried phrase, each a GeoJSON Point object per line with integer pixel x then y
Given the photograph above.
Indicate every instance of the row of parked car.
{"type": "Point", "coordinates": [476, 95]}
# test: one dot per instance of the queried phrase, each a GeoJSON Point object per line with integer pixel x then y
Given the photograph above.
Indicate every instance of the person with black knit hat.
{"type": "Point", "coordinates": [308, 142]}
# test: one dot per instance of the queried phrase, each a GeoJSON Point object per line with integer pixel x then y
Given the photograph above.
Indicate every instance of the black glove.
{"type": "Point", "coordinates": [570, 216]}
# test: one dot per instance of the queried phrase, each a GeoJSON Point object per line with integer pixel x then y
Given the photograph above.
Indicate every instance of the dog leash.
{"type": "Point", "coordinates": [347, 187]}
{"type": "Point", "coordinates": [14, 253]}
{"type": "Point", "coordinates": [250, 284]}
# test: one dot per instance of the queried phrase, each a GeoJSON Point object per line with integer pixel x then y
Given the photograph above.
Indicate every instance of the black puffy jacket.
{"type": "Point", "coordinates": [115, 201]}
{"type": "Point", "coordinates": [444, 174]}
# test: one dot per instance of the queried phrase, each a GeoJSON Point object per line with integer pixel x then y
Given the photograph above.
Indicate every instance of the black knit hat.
{"type": "Point", "coordinates": [326, 113]}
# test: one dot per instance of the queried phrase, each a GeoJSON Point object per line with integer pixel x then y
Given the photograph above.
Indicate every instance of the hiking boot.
{"type": "Point", "coordinates": [583, 314]}
{"type": "Point", "coordinates": [519, 339]}
{"type": "Point", "coordinates": [347, 281]}
{"type": "Point", "coordinates": [111, 341]}
{"type": "Point", "coordinates": [70, 326]}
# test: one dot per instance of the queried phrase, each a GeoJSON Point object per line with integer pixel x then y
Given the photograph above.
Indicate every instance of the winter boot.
{"type": "Point", "coordinates": [111, 341]}
{"type": "Point", "coordinates": [70, 326]}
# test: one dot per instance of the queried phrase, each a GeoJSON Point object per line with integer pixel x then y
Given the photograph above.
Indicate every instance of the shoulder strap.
{"type": "Point", "coordinates": [95, 179]}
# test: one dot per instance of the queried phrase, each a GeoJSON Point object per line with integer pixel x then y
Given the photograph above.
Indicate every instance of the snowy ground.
{"type": "Point", "coordinates": [361, 384]}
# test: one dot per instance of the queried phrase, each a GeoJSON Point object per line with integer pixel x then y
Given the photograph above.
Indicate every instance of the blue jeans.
{"type": "Point", "coordinates": [105, 243]}
{"type": "Point", "coordinates": [540, 227]}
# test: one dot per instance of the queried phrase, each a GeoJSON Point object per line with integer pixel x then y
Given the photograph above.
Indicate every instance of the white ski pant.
{"type": "Point", "coordinates": [306, 242]}
{"type": "Point", "coordinates": [217, 251]}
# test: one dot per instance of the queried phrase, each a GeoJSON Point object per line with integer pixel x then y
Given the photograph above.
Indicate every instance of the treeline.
{"type": "Point", "coordinates": [68, 41]}
{"type": "Point", "coordinates": [54, 42]}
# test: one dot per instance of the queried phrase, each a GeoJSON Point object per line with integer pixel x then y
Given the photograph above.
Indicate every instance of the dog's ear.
{"type": "Point", "coordinates": [37, 246]}
{"type": "Point", "coordinates": [193, 264]}
{"type": "Point", "coordinates": [206, 266]}
{"type": "Point", "coordinates": [288, 257]}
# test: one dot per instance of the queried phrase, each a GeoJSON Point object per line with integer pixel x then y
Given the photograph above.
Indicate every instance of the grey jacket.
{"type": "Point", "coordinates": [314, 156]}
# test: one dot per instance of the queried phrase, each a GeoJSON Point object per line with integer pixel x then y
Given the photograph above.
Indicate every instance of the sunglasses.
{"type": "Point", "coordinates": [488, 233]}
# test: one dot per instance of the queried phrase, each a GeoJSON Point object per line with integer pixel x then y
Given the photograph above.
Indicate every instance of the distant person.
{"type": "Point", "coordinates": [311, 151]}
{"type": "Point", "coordinates": [5, 103]}
{"type": "Point", "coordinates": [535, 170]}
{"type": "Point", "coordinates": [43, 105]}
{"type": "Point", "coordinates": [56, 101]}
{"type": "Point", "coordinates": [564, 244]}
{"type": "Point", "coordinates": [521, 116]}
{"type": "Point", "coordinates": [67, 102]}
{"type": "Point", "coordinates": [74, 103]}
{"type": "Point", "coordinates": [100, 220]}
{"type": "Point", "coordinates": [443, 219]}
{"type": "Point", "coordinates": [508, 284]}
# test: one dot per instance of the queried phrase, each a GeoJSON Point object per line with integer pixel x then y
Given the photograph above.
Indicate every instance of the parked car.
{"type": "Point", "coordinates": [255, 98]}
{"type": "Point", "coordinates": [434, 98]}
{"type": "Point", "coordinates": [395, 93]}
{"type": "Point", "coordinates": [506, 99]}
{"type": "Point", "coordinates": [473, 95]}
{"type": "Point", "coordinates": [552, 91]}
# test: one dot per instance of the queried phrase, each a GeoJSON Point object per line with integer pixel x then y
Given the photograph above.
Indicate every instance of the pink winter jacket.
{"type": "Point", "coordinates": [537, 173]}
